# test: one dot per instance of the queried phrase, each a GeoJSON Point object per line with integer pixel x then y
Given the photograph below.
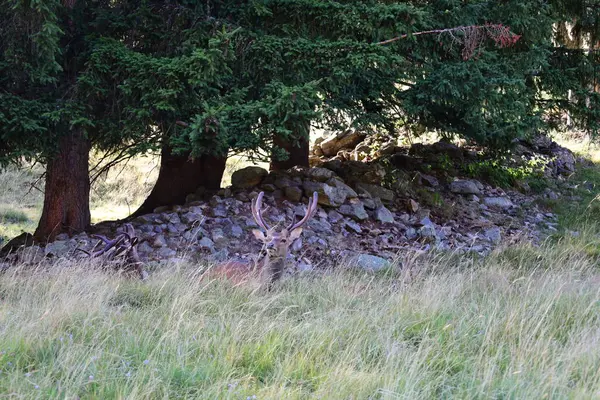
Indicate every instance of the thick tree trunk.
{"type": "Point", "coordinates": [67, 190]}
{"type": "Point", "coordinates": [297, 152]}
{"type": "Point", "coordinates": [180, 176]}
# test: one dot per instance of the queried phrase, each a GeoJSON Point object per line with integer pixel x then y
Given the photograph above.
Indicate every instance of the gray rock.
{"type": "Point", "coordinates": [293, 193]}
{"type": "Point", "coordinates": [159, 241]}
{"type": "Point", "coordinates": [219, 238]}
{"type": "Point", "coordinates": [320, 225]}
{"type": "Point", "coordinates": [377, 191]}
{"type": "Point", "coordinates": [62, 236]}
{"type": "Point", "coordinates": [206, 243]}
{"type": "Point", "coordinates": [328, 195]}
{"type": "Point", "coordinates": [172, 218]}
{"type": "Point", "coordinates": [334, 217]}
{"type": "Point", "coordinates": [219, 212]}
{"type": "Point", "coordinates": [284, 182]}
{"type": "Point", "coordinates": [32, 254]}
{"type": "Point", "coordinates": [463, 186]}
{"type": "Point", "coordinates": [338, 183]}
{"type": "Point", "coordinates": [428, 232]}
{"type": "Point", "coordinates": [411, 233]}
{"type": "Point", "coordinates": [248, 177]}
{"type": "Point", "coordinates": [191, 217]}
{"type": "Point", "coordinates": [498, 202]}
{"type": "Point", "coordinates": [320, 174]}
{"type": "Point", "coordinates": [369, 262]}
{"type": "Point", "coordinates": [354, 210]}
{"type": "Point", "coordinates": [352, 226]}
{"type": "Point", "coordinates": [384, 215]}
{"type": "Point", "coordinates": [429, 180]}
{"type": "Point", "coordinates": [494, 235]}
{"type": "Point", "coordinates": [144, 248]}
{"type": "Point", "coordinates": [236, 231]}
{"type": "Point", "coordinates": [166, 252]}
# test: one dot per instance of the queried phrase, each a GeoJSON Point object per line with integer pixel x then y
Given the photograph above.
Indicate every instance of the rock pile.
{"type": "Point", "coordinates": [357, 217]}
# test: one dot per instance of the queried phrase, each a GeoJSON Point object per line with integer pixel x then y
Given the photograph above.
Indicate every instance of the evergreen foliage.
{"type": "Point", "coordinates": [236, 73]}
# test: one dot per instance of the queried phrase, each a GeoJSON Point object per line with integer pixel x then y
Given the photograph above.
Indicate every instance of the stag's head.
{"type": "Point", "coordinates": [276, 242]}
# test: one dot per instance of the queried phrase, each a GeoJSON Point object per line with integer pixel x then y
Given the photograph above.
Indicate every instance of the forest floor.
{"type": "Point", "coordinates": [521, 323]}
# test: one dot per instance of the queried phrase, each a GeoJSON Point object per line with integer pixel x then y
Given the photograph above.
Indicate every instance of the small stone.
{"type": "Point", "coordinates": [369, 262]}
{"type": "Point", "coordinates": [283, 182]}
{"type": "Point", "coordinates": [159, 241]}
{"type": "Point", "coordinates": [413, 206]}
{"type": "Point", "coordinates": [354, 210]}
{"type": "Point", "coordinates": [161, 209]}
{"type": "Point", "coordinates": [498, 202]}
{"type": "Point", "coordinates": [267, 187]}
{"type": "Point", "coordinates": [494, 235]}
{"type": "Point", "coordinates": [190, 218]}
{"type": "Point", "coordinates": [429, 180]}
{"type": "Point", "coordinates": [144, 248]}
{"type": "Point", "coordinates": [377, 191]}
{"type": "Point", "coordinates": [236, 231]}
{"type": "Point", "coordinates": [320, 174]}
{"type": "Point", "coordinates": [293, 193]}
{"type": "Point", "coordinates": [166, 252]}
{"type": "Point", "coordinates": [462, 186]}
{"type": "Point", "coordinates": [219, 212]}
{"type": "Point", "coordinates": [334, 217]}
{"type": "Point", "coordinates": [243, 196]}
{"type": "Point", "coordinates": [328, 195]}
{"type": "Point", "coordinates": [473, 198]}
{"type": "Point", "coordinates": [62, 236]}
{"type": "Point", "coordinates": [218, 237]}
{"type": "Point", "coordinates": [206, 243]}
{"type": "Point", "coordinates": [411, 233]}
{"type": "Point", "coordinates": [428, 232]}
{"type": "Point", "coordinates": [384, 215]}
{"type": "Point", "coordinates": [57, 248]}
{"type": "Point", "coordinates": [353, 226]}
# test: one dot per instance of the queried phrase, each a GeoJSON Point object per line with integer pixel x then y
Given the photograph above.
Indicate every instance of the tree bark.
{"type": "Point", "coordinates": [180, 176]}
{"type": "Point", "coordinates": [297, 152]}
{"type": "Point", "coordinates": [67, 189]}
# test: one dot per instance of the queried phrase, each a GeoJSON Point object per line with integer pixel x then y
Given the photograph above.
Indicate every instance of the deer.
{"type": "Point", "coordinates": [270, 263]}
{"type": "Point", "coordinates": [123, 246]}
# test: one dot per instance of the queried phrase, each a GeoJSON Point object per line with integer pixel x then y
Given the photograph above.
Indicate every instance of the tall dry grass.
{"type": "Point", "coordinates": [524, 323]}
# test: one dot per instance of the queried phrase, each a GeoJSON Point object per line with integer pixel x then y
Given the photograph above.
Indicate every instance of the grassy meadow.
{"type": "Point", "coordinates": [523, 323]}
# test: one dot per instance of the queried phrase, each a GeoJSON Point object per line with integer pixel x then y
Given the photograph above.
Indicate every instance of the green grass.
{"type": "Point", "coordinates": [523, 323]}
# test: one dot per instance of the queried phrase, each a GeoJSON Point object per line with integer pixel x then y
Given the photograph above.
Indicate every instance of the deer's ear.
{"type": "Point", "coordinates": [295, 234]}
{"type": "Point", "coordinates": [258, 234]}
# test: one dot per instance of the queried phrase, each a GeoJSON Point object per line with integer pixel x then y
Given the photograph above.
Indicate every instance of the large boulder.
{"type": "Point", "coordinates": [248, 177]}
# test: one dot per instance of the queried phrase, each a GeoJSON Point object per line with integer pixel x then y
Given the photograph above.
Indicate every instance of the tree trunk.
{"type": "Point", "coordinates": [67, 189]}
{"type": "Point", "coordinates": [180, 176]}
{"type": "Point", "coordinates": [297, 152]}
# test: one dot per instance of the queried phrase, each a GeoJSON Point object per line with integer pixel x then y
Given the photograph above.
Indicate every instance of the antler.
{"type": "Point", "coordinates": [257, 212]}
{"type": "Point", "coordinates": [124, 244]}
{"type": "Point", "coordinates": [310, 211]}
{"type": "Point", "coordinates": [109, 244]}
